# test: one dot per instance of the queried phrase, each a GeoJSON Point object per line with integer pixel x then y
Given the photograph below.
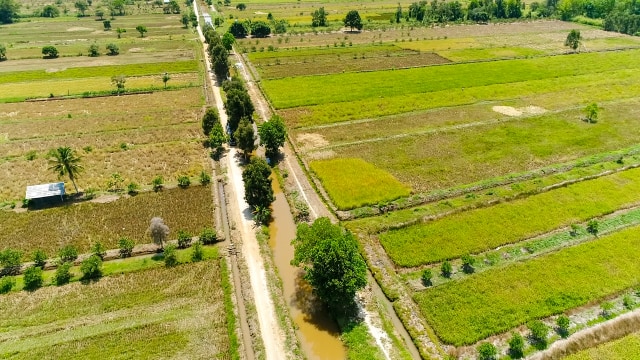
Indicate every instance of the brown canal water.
{"type": "Point", "coordinates": [317, 331]}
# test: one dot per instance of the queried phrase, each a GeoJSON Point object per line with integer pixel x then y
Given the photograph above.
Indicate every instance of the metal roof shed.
{"type": "Point", "coordinates": [45, 190]}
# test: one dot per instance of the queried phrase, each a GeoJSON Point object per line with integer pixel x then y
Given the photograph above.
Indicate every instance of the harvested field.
{"type": "Point", "coordinates": [627, 347]}
{"type": "Point", "coordinates": [162, 312]}
{"type": "Point", "coordinates": [83, 224]}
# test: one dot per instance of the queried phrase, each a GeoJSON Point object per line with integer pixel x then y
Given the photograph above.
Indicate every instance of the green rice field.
{"type": "Point", "coordinates": [497, 300]}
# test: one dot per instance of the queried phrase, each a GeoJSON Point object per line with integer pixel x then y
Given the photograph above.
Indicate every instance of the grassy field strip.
{"type": "Point", "coordinates": [456, 158]}
{"type": "Point", "coordinates": [12, 92]}
{"type": "Point", "coordinates": [627, 347]}
{"type": "Point", "coordinates": [101, 71]}
{"type": "Point", "coordinates": [478, 230]}
{"type": "Point", "coordinates": [260, 57]}
{"type": "Point", "coordinates": [77, 320]}
{"type": "Point", "coordinates": [493, 302]}
{"type": "Point", "coordinates": [313, 90]}
{"type": "Point", "coordinates": [528, 249]}
{"type": "Point", "coordinates": [426, 206]}
{"type": "Point", "coordinates": [88, 222]}
{"type": "Point", "coordinates": [545, 92]}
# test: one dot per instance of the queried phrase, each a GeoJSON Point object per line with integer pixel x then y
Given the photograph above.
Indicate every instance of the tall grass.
{"type": "Point", "coordinates": [352, 183]}
{"type": "Point", "coordinates": [495, 301]}
{"type": "Point", "coordinates": [482, 229]}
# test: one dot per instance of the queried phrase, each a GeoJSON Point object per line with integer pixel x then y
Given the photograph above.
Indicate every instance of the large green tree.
{"type": "Point", "coordinates": [3, 52]}
{"type": "Point", "coordinates": [257, 184]}
{"type": "Point", "coordinates": [332, 264]}
{"type": "Point", "coordinates": [239, 30]}
{"type": "Point", "coordinates": [319, 17]}
{"type": "Point", "coordinates": [65, 161]}
{"type": "Point", "coordinates": [273, 134]}
{"type": "Point", "coordinates": [81, 6]}
{"type": "Point", "coordinates": [353, 20]}
{"type": "Point", "coordinates": [220, 59]}
{"type": "Point", "coordinates": [238, 106]}
{"type": "Point", "coordinates": [8, 11]}
{"type": "Point", "coordinates": [260, 29]}
{"type": "Point", "coordinates": [246, 137]}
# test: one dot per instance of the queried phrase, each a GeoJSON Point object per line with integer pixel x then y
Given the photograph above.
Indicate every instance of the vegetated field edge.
{"type": "Point", "coordinates": [497, 300]}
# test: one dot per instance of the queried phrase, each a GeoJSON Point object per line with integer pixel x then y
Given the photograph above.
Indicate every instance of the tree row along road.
{"type": "Point", "coordinates": [271, 334]}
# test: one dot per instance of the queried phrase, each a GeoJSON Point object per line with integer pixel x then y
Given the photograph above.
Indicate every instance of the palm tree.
{"type": "Point", "coordinates": [64, 161]}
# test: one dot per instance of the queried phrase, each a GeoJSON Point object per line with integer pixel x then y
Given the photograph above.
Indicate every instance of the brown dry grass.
{"type": "Point", "coordinates": [335, 64]}
{"type": "Point", "coordinates": [83, 224]}
{"type": "Point", "coordinates": [161, 130]}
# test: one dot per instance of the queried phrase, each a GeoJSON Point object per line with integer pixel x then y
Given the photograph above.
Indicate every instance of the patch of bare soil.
{"type": "Point", "coordinates": [321, 155]}
{"type": "Point", "coordinates": [511, 111]}
{"type": "Point", "coordinates": [105, 199]}
{"type": "Point", "coordinates": [79, 28]}
{"type": "Point", "coordinates": [135, 50]}
{"type": "Point", "coordinates": [310, 141]}
{"type": "Point", "coordinates": [52, 70]}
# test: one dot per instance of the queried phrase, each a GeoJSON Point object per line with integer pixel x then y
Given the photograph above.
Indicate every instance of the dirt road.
{"type": "Point", "coordinates": [240, 215]}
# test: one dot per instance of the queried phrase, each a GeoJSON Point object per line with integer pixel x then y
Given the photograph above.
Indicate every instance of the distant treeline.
{"type": "Point", "coordinates": [617, 15]}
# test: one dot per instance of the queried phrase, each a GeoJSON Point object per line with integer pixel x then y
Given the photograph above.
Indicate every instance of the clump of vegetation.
{"type": "Point", "coordinates": [516, 346]}
{"type": "Point", "coordinates": [184, 239]}
{"type": "Point", "coordinates": [6, 284]}
{"type": "Point", "coordinates": [563, 325]}
{"type": "Point", "coordinates": [198, 252]}
{"type": "Point", "coordinates": [68, 253]}
{"type": "Point", "coordinates": [467, 264]}
{"type": "Point", "coordinates": [170, 257]}
{"type": "Point", "coordinates": [91, 268]}
{"type": "Point", "coordinates": [157, 183]}
{"type": "Point", "coordinates": [39, 258]}
{"type": "Point", "coordinates": [426, 277]}
{"type": "Point", "coordinates": [11, 260]}
{"type": "Point", "coordinates": [184, 181]}
{"type": "Point", "coordinates": [606, 309]}
{"type": "Point", "coordinates": [205, 178]}
{"type": "Point", "coordinates": [126, 247]}
{"type": "Point", "coordinates": [538, 333]}
{"type": "Point", "coordinates": [63, 274]}
{"type": "Point", "coordinates": [487, 351]}
{"type": "Point", "coordinates": [446, 268]}
{"type": "Point", "coordinates": [99, 250]}
{"type": "Point", "coordinates": [33, 278]}
{"type": "Point", "coordinates": [208, 236]}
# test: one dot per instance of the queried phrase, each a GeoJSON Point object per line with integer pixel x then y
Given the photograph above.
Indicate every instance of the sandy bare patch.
{"type": "Point", "coordinates": [9, 114]}
{"type": "Point", "coordinates": [321, 155]}
{"type": "Point", "coordinates": [105, 199]}
{"type": "Point", "coordinates": [260, 13]}
{"type": "Point", "coordinates": [507, 110]}
{"type": "Point", "coordinates": [136, 50]}
{"type": "Point", "coordinates": [527, 110]}
{"type": "Point", "coordinates": [79, 28]}
{"type": "Point", "coordinates": [310, 141]}
{"type": "Point", "coordinates": [533, 110]}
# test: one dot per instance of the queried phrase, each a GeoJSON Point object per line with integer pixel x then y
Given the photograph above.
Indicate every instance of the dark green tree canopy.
{"type": "Point", "coordinates": [353, 20]}
{"type": "Point", "coordinates": [257, 184]}
{"type": "Point", "coordinates": [210, 118]}
{"type": "Point", "coordinates": [9, 11]}
{"type": "Point", "coordinates": [260, 29]}
{"type": "Point", "coordinates": [238, 106]}
{"type": "Point", "coordinates": [228, 40]}
{"type": "Point", "coordinates": [273, 134]}
{"type": "Point", "coordinates": [246, 137]}
{"type": "Point", "coordinates": [238, 30]}
{"type": "Point", "coordinates": [220, 58]}
{"type": "Point", "coordinates": [49, 52]}
{"type": "Point", "coordinates": [50, 11]}
{"type": "Point", "coordinates": [332, 264]}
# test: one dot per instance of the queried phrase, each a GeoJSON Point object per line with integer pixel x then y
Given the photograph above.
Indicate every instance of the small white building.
{"type": "Point", "coordinates": [45, 191]}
